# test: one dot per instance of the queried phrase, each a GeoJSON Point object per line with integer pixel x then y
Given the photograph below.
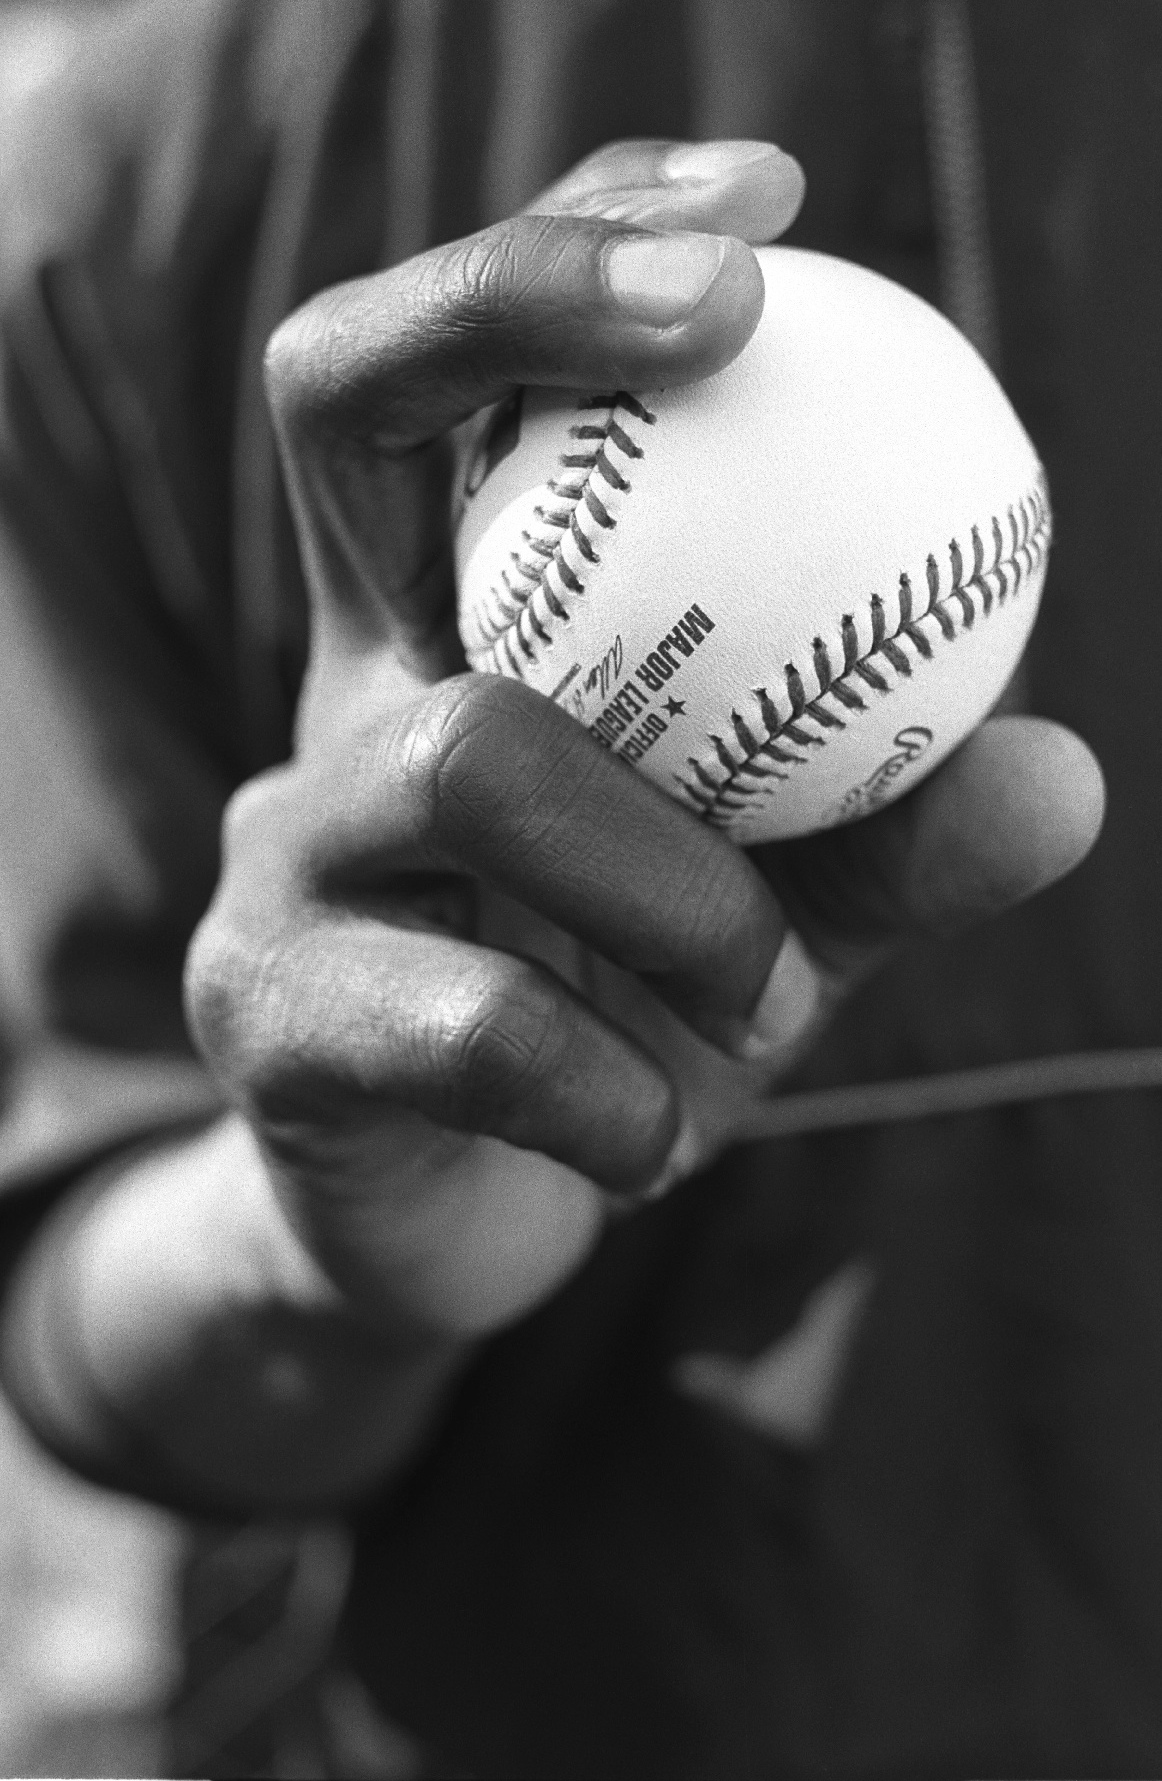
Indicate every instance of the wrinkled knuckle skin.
{"type": "Point", "coordinates": [497, 1050]}
{"type": "Point", "coordinates": [480, 718]}
{"type": "Point", "coordinates": [481, 283]}
{"type": "Point", "coordinates": [451, 752]}
{"type": "Point", "coordinates": [506, 277]}
{"type": "Point", "coordinates": [305, 370]}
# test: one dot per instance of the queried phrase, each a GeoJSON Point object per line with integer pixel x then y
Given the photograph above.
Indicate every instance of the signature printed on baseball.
{"type": "Point", "coordinates": [622, 712]}
{"type": "Point", "coordinates": [604, 676]}
{"type": "Point", "coordinates": [910, 743]}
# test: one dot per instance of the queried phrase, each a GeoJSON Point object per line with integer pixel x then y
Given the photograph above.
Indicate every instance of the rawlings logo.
{"type": "Point", "coordinates": [877, 789]}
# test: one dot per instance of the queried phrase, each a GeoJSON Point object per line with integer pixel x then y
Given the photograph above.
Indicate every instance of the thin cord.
{"type": "Point", "coordinates": [956, 1091]}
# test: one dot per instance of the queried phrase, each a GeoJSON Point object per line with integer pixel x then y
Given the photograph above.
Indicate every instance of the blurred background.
{"type": "Point", "coordinates": [90, 1647]}
{"type": "Point", "coordinates": [133, 1643]}
{"type": "Point", "coordinates": [90, 1651]}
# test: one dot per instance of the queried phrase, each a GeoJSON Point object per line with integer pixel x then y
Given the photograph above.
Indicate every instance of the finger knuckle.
{"type": "Point", "coordinates": [303, 365]}
{"type": "Point", "coordinates": [286, 365]}
{"type": "Point", "coordinates": [244, 1018]}
{"type": "Point", "coordinates": [481, 283]}
{"type": "Point", "coordinates": [218, 988]}
{"type": "Point", "coordinates": [256, 898]}
{"type": "Point", "coordinates": [497, 275]}
{"type": "Point", "coordinates": [247, 815]}
{"type": "Point", "coordinates": [450, 751]}
{"type": "Point", "coordinates": [499, 1044]}
{"type": "Point", "coordinates": [266, 833]}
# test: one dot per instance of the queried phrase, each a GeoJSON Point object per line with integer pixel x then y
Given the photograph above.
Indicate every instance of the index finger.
{"type": "Point", "coordinates": [488, 778]}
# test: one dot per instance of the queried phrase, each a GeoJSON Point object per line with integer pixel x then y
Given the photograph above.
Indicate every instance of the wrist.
{"type": "Point", "coordinates": [167, 1333]}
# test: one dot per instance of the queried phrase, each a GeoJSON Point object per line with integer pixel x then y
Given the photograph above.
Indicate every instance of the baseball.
{"type": "Point", "coordinates": [783, 594]}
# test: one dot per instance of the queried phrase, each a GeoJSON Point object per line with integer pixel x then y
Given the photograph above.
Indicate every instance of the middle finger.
{"type": "Point", "coordinates": [485, 777]}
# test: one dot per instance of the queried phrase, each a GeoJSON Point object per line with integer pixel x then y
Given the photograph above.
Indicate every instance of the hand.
{"type": "Point", "coordinates": [447, 1121]}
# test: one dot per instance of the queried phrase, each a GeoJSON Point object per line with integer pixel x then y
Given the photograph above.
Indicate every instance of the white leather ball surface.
{"type": "Point", "coordinates": [783, 594]}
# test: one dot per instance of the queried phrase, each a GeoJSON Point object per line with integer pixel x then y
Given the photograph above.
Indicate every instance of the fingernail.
{"type": "Point", "coordinates": [717, 160]}
{"type": "Point", "coordinates": [797, 998]}
{"type": "Point", "coordinates": [681, 1162]}
{"type": "Point", "coordinates": [659, 279]}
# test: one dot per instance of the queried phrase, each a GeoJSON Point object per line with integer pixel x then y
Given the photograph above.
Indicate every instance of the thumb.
{"type": "Point", "coordinates": [366, 380]}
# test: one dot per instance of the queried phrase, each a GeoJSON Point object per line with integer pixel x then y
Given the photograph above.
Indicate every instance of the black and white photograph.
{"type": "Point", "coordinates": [580, 884]}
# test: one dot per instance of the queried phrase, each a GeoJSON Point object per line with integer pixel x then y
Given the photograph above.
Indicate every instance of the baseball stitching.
{"type": "Point", "coordinates": [790, 714]}
{"type": "Point", "coordinates": [551, 568]}
{"type": "Point", "coordinates": [785, 719]}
